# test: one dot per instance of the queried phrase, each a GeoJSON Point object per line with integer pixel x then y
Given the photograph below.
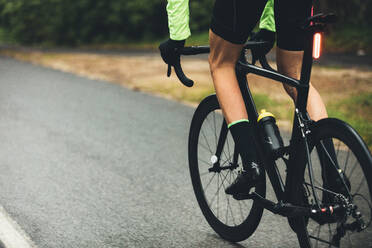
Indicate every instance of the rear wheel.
{"type": "Point", "coordinates": [214, 165]}
{"type": "Point", "coordinates": [350, 227]}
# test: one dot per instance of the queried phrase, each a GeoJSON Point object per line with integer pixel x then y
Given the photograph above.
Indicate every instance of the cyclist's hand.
{"type": "Point", "coordinates": [167, 51]}
{"type": "Point", "coordinates": [263, 35]}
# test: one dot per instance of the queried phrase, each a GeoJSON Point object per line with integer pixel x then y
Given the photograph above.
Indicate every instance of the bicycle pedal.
{"type": "Point", "coordinates": [243, 196]}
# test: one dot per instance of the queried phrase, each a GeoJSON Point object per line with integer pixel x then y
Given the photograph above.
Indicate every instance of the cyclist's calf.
{"type": "Point", "coordinates": [289, 63]}
{"type": "Point", "coordinates": [222, 60]}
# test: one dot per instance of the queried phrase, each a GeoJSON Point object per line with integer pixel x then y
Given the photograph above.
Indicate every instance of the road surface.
{"type": "Point", "coordinates": [87, 163]}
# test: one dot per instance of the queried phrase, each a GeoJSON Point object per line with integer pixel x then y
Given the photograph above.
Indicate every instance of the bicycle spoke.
{"type": "Point", "coordinates": [228, 207]}
{"type": "Point", "coordinates": [204, 173]}
{"type": "Point", "coordinates": [228, 146]}
{"type": "Point", "coordinates": [206, 148]}
{"type": "Point", "coordinates": [226, 156]}
{"type": "Point", "coordinates": [338, 148]}
{"type": "Point", "coordinates": [241, 211]}
{"type": "Point", "coordinates": [209, 147]}
{"type": "Point", "coordinates": [317, 241]}
{"type": "Point", "coordinates": [360, 185]}
{"type": "Point", "coordinates": [205, 189]}
{"type": "Point", "coordinates": [330, 231]}
{"type": "Point", "coordinates": [215, 129]}
{"type": "Point", "coordinates": [218, 189]}
{"type": "Point", "coordinates": [227, 214]}
{"type": "Point", "coordinates": [317, 182]}
{"type": "Point", "coordinates": [227, 160]}
{"type": "Point", "coordinates": [321, 240]}
{"type": "Point", "coordinates": [229, 180]}
{"type": "Point", "coordinates": [218, 194]}
{"type": "Point", "coordinates": [201, 160]}
{"type": "Point", "coordinates": [211, 127]}
{"type": "Point", "coordinates": [353, 169]}
{"type": "Point", "coordinates": [228, 203]}
{"type": "Point", "coordinates": [347, 158]}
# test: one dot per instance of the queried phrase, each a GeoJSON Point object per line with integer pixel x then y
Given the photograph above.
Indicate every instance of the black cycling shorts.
{"type": "Point", "coordinates": [234, 20]}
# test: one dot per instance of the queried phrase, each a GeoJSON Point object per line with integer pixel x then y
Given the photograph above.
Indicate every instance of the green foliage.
{"type": "Point", "coordinates": [76, 22]}
{"type": "Point", "coordinates": [349, 39]}
{"type": "Point", "coordinates": [83, 21]}
{"type": "Point", "coordinates": [356, 111]}
{"type": "Point", "coordinates": [354, 12]}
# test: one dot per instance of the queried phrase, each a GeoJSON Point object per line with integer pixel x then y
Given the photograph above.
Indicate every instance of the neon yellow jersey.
{"type": "Point", "coordinates": [179, 16]}
{"type": "Point", "coordinates": [178, 19]}
{"type": "Point", "coordinates": [267, 20]}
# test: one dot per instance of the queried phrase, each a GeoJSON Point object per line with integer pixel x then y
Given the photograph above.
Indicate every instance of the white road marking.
{"type": "Point", "coordinates": [11, 234]}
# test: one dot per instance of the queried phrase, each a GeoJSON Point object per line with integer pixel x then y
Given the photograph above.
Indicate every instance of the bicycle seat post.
{"type": "Point", "coordinates": [307, 63]}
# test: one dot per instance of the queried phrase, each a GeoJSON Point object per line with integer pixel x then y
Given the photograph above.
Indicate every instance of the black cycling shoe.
{"type": "Point", "coordinates": [246, 180]}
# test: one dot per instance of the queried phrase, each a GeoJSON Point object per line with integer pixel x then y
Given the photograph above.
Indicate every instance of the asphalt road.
{"type": "Point", "coordinates": [91, 164]}
{"type": "Point", "coordinates": [86, 163]}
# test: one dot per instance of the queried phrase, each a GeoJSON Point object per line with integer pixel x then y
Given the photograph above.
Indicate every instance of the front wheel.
{"type": "Point", "coordinates": [351, 227]}
{"type": "Point", "coordinates": [214, 165]}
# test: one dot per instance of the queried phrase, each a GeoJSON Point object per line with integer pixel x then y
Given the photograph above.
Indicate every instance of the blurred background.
{"type": "Point", "coordinates": [87, 22]}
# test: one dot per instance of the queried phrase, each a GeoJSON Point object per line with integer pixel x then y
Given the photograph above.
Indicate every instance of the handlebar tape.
{"type": "Point", "coordinates": [182, 77]}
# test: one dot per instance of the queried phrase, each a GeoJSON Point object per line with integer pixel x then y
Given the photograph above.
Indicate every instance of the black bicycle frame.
{"type": "Point", "coordinates": [296, 163]}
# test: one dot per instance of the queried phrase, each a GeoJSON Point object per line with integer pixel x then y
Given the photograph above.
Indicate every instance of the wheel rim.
{"type": "Point", "coordinates": [225, 208]}
{"type": "Point", "coordinates": [323, 235]}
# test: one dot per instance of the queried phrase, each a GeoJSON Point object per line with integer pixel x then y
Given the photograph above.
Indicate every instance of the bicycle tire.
{"type": "Point", "coordinates": [201, 131]}
{"type": "Point", "coordinates": [350, 150]}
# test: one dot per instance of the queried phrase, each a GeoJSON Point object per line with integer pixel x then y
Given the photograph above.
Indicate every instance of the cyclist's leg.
{"type": "Point", "coordinates": [231, 24]}
{"type": "Point", "coordinates": [290, 41]}
{"type": "Point", "coordinates": [222, 60]}
{"type": "Point", "coordinates": [289, 63]}
{"type": "Point", "coordinates": [288, 15]}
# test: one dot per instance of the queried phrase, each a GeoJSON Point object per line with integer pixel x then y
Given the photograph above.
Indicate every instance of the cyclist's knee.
{"type": "Point", "coordinates": [223, 54]}
{"type": "Point", "coordinates": [216, 63]}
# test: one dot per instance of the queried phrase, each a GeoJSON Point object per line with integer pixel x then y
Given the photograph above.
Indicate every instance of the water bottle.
{"type": "Point", "coordinates": [270, 133]}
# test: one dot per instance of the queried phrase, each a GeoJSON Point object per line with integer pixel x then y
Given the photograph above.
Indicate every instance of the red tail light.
{"type": "Point", "coordinates": [317, 45]}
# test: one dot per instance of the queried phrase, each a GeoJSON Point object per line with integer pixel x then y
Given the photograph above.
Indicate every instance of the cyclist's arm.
{"type": "Point", "coordinates": [267, 20]}
{"type": "Point", "coordinates": [178, 19]}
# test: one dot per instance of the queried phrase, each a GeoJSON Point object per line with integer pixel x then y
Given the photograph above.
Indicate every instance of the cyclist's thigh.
{"type": "Point", "coordinates": [289, 14]}
{"type": "Point", "coordinates": [223, 52]}
{"type": "Point", "coordinates": [233, 20]}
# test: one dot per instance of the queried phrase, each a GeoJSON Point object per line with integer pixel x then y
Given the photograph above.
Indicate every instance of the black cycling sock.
{"type": "Point", "coordinates": [242, 133]}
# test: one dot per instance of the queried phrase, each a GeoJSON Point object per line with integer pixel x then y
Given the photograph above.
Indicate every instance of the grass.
{"type": "Point", "coordinates": [357, 111]}
{"type": "Point", "coordinates": [198, 39]}
{"type": "Point", "coordinates": [350, 39]}
{"type": "Point", "coordinates": [280, 109]}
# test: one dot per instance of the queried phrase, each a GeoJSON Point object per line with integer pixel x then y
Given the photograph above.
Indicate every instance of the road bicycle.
{"type": "Point", "coordinates": [318, 215]}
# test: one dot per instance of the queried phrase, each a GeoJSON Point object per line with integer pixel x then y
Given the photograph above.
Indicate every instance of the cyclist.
{"type": "Point", "coordinates": [232, 22]}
